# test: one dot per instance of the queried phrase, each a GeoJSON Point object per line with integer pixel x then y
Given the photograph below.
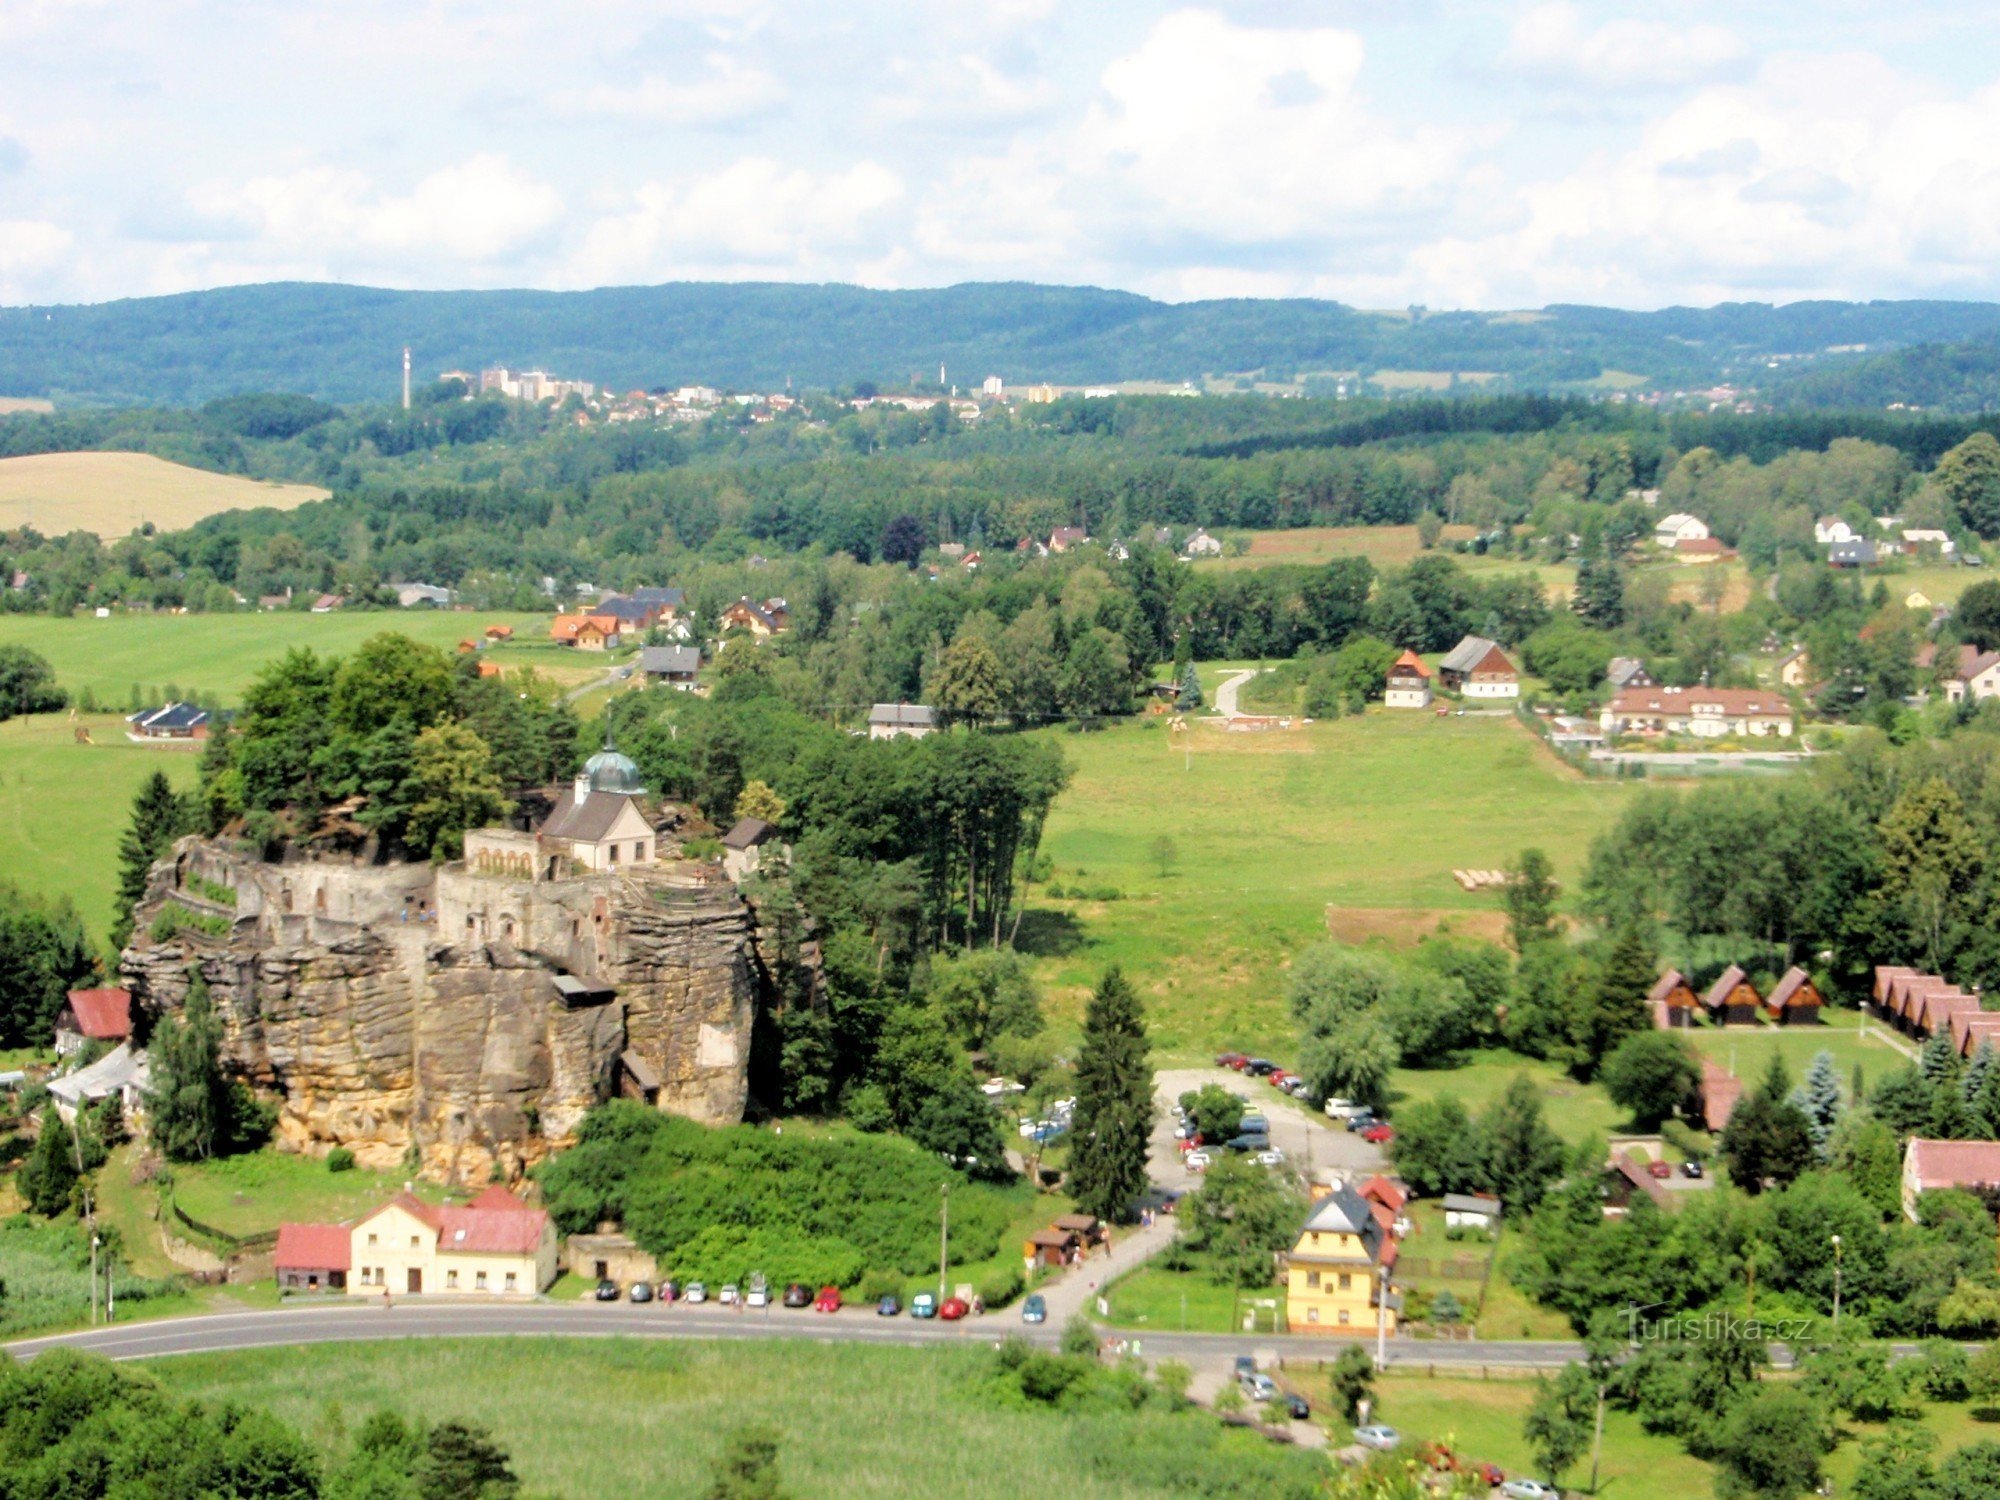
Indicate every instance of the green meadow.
{"type": "Point", "coordinates": [1231, 851]}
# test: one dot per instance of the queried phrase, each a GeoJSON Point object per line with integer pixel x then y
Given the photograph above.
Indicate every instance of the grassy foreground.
{"type": "Point", "coordinates": [590, 1417]}
{"type": "Point", "coordinates": [1279, 838]}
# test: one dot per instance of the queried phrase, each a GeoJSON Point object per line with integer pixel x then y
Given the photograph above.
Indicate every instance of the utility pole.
{"type": "Point", "coordinates": [1836, 1283]}
{"type": "Point", "coordinates": [1381, 1319]}
{"type": "Point", "coordinates": [944, 1236]}
{"type": "Point", "coordinates": [406, 377]}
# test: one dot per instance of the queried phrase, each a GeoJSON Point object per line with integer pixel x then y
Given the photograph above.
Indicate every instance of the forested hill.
{"type": "Point", "coordinates": [344, 343]}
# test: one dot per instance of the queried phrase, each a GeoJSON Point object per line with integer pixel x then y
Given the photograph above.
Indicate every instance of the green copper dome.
{"type": "Point", "coordinates": [608, 771]}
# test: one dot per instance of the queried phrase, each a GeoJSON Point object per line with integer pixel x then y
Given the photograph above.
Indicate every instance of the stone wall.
{"type": "Point", "coordinates": [396, 1006]}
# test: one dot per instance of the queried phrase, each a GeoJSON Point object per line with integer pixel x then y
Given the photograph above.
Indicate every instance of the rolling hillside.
{"type": "Point", "coordinates": [344, 343]}
{"type": "Point", "coordinates": [112, 494]}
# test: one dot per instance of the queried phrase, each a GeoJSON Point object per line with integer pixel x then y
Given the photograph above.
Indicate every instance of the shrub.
{"type": "Point", "coordinates": [998, 1288]}
{"type": "Point", "coordinates": [340, 1159]}
{"type": "Point", "coordinates": [876, 1285]}
{"type": "Point", "coordinates": [1690, 1142]}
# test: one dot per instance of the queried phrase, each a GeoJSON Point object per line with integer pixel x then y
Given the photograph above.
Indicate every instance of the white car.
{"type": "Point", "coordinates": [1198, 1161]}
{"type": "Point", "coordinates": [1529, 1489]}
{"type": "Point", "coordinates": [1377, 1436]}
{"type": "Point", "coordinates": [729, 1295]}
{"type": "Point", "coordinates": [1339, 1109]}
{"type": "Point", "coordinates": [1260, 1388]}
{"type": "Point", "coordinates": [1183, 1130]}
{"type": "Point", "coordinates": [1271, 1158]}
{"type": "Point", "coordinates": [696, 1292]}
{"type": "Point", "coordinates": [759, 1295]}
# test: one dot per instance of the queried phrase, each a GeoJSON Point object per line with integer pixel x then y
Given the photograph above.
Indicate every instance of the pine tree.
{"type": "Point", "coordinates": [1616, 1006]}
{"type": "Point", "coordinates": [1972, 1084]}
{"type": "Point", "coordinates": [1939, 1060]}
{"type": "Point", "coordinates": [48, 1178]}
{"type": "Point", "coordinates": [1114, 1103]}
{"type": "Point", "coordinates": [159, 816]}
{"type": "Point", "coordinates": [1189, 696]}
{"type": "Point", "coordinates": [1819, 1099]}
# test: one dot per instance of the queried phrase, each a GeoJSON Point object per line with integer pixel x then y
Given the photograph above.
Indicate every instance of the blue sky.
{"type": "Point", "coordinates": [1382, 152]}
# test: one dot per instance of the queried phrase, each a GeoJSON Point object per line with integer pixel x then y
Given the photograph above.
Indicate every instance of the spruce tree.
{"type": "Point", "coordinates": [1819, 1099]}
{"type": "Point", "coordinates": [1114, 1103]}
{"type": "Point", "coordinates": [1978, 1075]}
{"type": "Point", "coordinates": [1530, 899]}
{"type": "Point", "coordinates": [159, 816]}
{"type": "Point", "coordinates": [1616, 1005]}
{"type": "Point", "coordinates": [1939, 1060]}
{"type": "Point", "coordinates": [1189, 696]}
{"type": "Point", "coordinates": [47, 1179]}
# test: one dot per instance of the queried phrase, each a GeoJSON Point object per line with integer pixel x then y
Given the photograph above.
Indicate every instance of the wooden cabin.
{"type": "Point", "coordinates": [1971, 1027]}
{"type": "Point", "coordinates": [1935, 1009]}
{"type": "Point", "coordinates": [1732, 1000]}
{"type": "Point", "coordinates": [1672, 1001]}
{"type": "Point", "coordinates": [1794, 1000]}
{"type": "Point", "coordinates": [1904, 988]}
{"type": "Point", "coordinates": [1885, 976]}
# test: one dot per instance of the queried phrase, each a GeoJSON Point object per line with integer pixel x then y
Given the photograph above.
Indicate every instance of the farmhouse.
{"type": "Point", "coordinates": [1201, 544]}
{"type": "Point", "coordinates": [1409, 683]}
{"type": "Point", "coordinates": [180, 722]}
{"type": "Point", "coordinates": [1478, 668]}
{"type": "Point", "coordinates": [1858, 553]}
{"type": "Point", "coordinates": [677, 666]}
{"type": "Point", "coordinates": [1708, 713]}
{"type": "Point", "coordinates": [496, 1245]}
{"type": "Point", "coordinates": [1931, 1165]}
{"type": "Point", "coordinates": [1337, 1275]}
{"type": "Point", "coordinates": [900, 721]}
{"type": "Point", "coordinates": [1830, 529]}
{"type": "Point", "coordinates": [1976, 676]}
{"type": "Point", "coordinates": [1732, 1000]}
{"type": "Point", "coordinates": [93, 1016]}
{"type": "Point", "coordinates": [1670, 531]}
{"type": "Point", "coordinates": [1672, 1001]}
{"type": "Point", "coordinates": [599, 633]}
{"type": "Point", "coordinates": [1794, 1000]}
{"type": "Point", "coordinates": [1795, 671]}
{"type": "Point", "coordinates": [1065, 537]}
{"type": "Point", "coordinates": [760, 620]}
{"type": "Point", "coordinates": [122, 1071]}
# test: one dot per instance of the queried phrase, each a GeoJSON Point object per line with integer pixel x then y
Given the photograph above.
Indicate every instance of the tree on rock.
{"type": "Point", "coordinates": [1114, 1103]}
{"type": "Point", "coordinates": [454, 786]}
{"type": "Point", "coordinates": [159, 816]}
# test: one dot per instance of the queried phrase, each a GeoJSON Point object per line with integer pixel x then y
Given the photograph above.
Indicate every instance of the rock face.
{"type": "Point", "coordinates": [471, 1017]}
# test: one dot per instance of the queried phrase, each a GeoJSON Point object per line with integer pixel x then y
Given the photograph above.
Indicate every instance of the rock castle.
{"type": "Point", "coordinates": [465, 1016]}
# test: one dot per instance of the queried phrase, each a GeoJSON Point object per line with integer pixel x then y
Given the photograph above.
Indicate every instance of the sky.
{"type": "Point", "coordinates": [1452, 153]}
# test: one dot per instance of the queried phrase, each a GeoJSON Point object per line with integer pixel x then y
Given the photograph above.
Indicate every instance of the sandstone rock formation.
{"type": "Point", "coordinates": [466, 1018]}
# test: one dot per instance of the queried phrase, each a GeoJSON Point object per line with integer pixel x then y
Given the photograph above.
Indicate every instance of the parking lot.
{"type": "Point", "coordinates": [1315, 1147]}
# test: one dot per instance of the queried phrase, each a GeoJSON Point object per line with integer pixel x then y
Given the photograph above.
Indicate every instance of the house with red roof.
{"type": "Point", "coordinates": [1409, 684]}
{"type": "Point", "coordinates": [93, 1016]}
{"type": "Point", "coordinates": [312, 1257]}
{"type": "Point", "coordinates": [1929, 1166]}
{"type": "Point", "coordinates": [494, 1246]}
{"type": "Point", "coordinates": [1719, 1092]}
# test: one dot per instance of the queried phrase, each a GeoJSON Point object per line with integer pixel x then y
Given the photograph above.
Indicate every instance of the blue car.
{"type": "Point", "coordinates": [1034, 1310]}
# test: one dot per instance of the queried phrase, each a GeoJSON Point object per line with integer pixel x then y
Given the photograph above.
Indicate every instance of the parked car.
{"type": "Point", "coordinates": [1270, 1157]}
{"type": "Point", "coordinates": [1258, 1067]}
{"type": "Point", "coordinates": [889, 1306]}
{"type": "Point", "coordinates": [923, 1305]}
{"type": "Point", "coordinates": [1298, 1408]}
{"type": "Point", "coordinates": [1300, 1089]}
{"type": "Point", "coordinates": [1253, 1123]}
{"type": "Point", "coordinates": [1378, 1134]}
{"type": "Point", "coordinates": [953, 1308]}
{"type": "Point", "coordinates": [828, 1300]}
{"type": "Point", "coordinates": [1198, 1161]}
{"type": "Point", "coordinates": [1246, 1364]}
{"type": "Point", "coordinates": [1360, 1120]}
{"type": "Point", "coordinates": [1260, 1387]}
{"type": "Point", "coordinates": [670, 1290]}
{"type": "Point", "coordinates": [1529, 1489]}
{"type": "Point", "coordinates": [797, 1296]}
{"type": "Point", "coordinates": [607, 1290]}
{"type": "Point", "coordinates": [729, 1295]}
{"type": "Point", "coordinates": [696, 1292]}
{"type": "Point", "coordinates": [759, 1294]}
{"type": "Point", "coordinates": [1277, 1078]}
{"type": "Point", "coordinates": [1659, 1169]}
{"type": "Point", "coordinates": [1035, 1309]}
{"type": "Point", "coordinates": [1690, 1169]}
{"type": "Point", "coordinates": [642, 1291]}
{"type": "Point", "coordinates": [1376, 1435]}
{"type": "Point", "coordinates": [1340, 1109]}
{"type": "Point", "coordinates": [1241, 1143]}
{"type": "Point", "coordinates": [1230, 1060]}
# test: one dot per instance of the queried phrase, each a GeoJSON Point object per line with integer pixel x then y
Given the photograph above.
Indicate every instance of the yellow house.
{"type": "Point", "coordinates": [495, 1245]}
{"type": "Point", "coordinates": [1343, 1255]}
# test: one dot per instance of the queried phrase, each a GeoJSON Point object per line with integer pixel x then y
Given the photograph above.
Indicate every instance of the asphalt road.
{"type": "Point", "coordinates": [339, 1323]}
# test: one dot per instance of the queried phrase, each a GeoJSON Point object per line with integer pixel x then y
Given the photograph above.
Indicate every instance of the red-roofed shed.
{"type": "Point", "coordinates": [93, 1016]}
{"type": "Point", "coordinates": [312, 1257]}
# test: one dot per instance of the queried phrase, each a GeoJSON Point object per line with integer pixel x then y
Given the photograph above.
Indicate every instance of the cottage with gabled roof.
{"type": "Point", "coordinates": [1409, 683]}
{"type": "Point", "coordinates": [312, 1257]}
{"type": "Point", "coordinates": [743, 846]}
{"type": "Point", "coordinates": [901, 721]}
{"type": "Point", "coordinates": [1932, 1166]}
{"type": "Point", "coordinates": [101, 1015]}
{"type": "Point", "coordinates": [495, 1245]}
{"type": "Point", "coordinates": [1672, 1001]}
{"type": "Point", "coordinates": [1478, 668]}
{"type": "Point", "coordinates": [1337, 1275]}
{"type": "Point", "coordinates": [677, 666]}
{"type": "Point", "coordinates": [1704, 712]}
{"type": "Point", "coordinates": [1629, 671]}
{"type": "Point", "coordinates": [1732, 1000]}
{"type": "Point", "coordinates": [1794, 1000]}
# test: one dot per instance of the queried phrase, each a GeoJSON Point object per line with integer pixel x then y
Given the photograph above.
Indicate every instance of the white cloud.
{"type": "Point", "coordinates": [1554, 42]}
{"type": "Point", "coordinates": [477, 212]}
{"type": "Point", "coordinates": [30, 249]}
{"type": "Point", "coordinates": [729, 93]}
{"type": "Point", "coordinates": [755, 216]}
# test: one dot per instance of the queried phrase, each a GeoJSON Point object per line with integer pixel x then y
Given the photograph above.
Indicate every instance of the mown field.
{"type": "Point", "coordinates": [1278, 837]}
{"type": "Point", "coordinates": [115, 493]}
{"type": "Point", "coordinates": [638, 1418]}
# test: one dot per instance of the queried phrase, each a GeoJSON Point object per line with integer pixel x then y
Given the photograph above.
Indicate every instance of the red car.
{"type": "Point", "coordinates": [952, 1309]}
{"type": "Point", "coordinates": [1278, 1079]}
{"type": "Point", "coordinates": [1378, 1134]}
{"type": "Point", "coordinates": [828, 1299]}
{"type": "Point", "coordinates": [1658, 1169]}
{"type": "Point", "coordinates": [1232, 1060]}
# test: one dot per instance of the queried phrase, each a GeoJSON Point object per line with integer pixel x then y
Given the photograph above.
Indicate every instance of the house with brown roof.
{"type": "Point", "coordinates": [599, 633]}
{"type": "Point", "coordinates": [743, 846]}
{"type": "Point", "coordinates": [1794, 1000]}
{"type": "Point", "coordinates": [1929, 1166]}
{"type": "Point", "coordinates": [1971, 1027]}
{"type": "Point", "coordinates": [1626, 1177]}
{"type": "Point", "coordinates": [93, 1016]}
{"type": "Point", "coordinates": [312, 1257]}
{"type": "Point", "coordinates": [1720, 1090]}
{"type": "Point", "coordinates": [759, 619]}
{"type": "Point", "coordinates": [1409, 683]}
{"type": "Point", "coordinates": [1478, 668]}
{"type": "Point", "coordinates": [496, 1245]}
{"type": "Point", "coordinates": [1732, 1000]}
{"type": "Point", "coordinates": [1672, 1001]}
{"type": "Point", "coordinates": [1885, 974]}
{"type": "Point", "coordinates": [1704, 712]}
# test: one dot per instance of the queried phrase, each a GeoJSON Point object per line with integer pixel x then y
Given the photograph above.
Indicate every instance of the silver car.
{"type": "Point", "coordinates": [1376, 1435]}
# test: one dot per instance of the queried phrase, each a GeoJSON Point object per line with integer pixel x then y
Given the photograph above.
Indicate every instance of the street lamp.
{"type": "Point", "coordinates": [1836, 1281]}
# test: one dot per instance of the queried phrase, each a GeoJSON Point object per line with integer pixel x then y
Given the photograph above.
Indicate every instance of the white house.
{"type": "Point", "coordinates": [1471, 1211]}
{"type": "Point", "coordinates": [1201, 544]}
{"type": "Point", "coordinates": [900, 721]}
{"type": "Point", "coordinates": [1478, 668]}
{"type": "Point", "coordinates": [1705, 712]}
{"type": "Point", "coordinates": [1830, 529]}
{"type": "Point", "coordinates": [1919, 539]}
{"type": "Point", "coordinates": [1679, 527]}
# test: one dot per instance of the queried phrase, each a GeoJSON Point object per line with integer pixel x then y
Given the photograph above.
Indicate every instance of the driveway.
{"type": "Point", "coordinates": [1226, 690]}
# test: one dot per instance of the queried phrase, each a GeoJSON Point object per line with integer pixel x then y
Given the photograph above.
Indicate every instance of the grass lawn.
{"type": "Point", "coordinates": [218, 654]}
{"type": "Point", "coordinates": [1177, 1301]}
{"type": "Point", "coordinates": [63, 806]}
{"type": "Point", "coordinates": [1481, 1420]}
{"type": "Point", "coordinates": [589, 1417]}
{"type": "Point", "coordinates": [1574, 1110]}
{"type": "Point", "coordinates": [248, 1194]}
{"type": "Point", "coordinates": [116, 493]}
{"type": "Point", "coordinates": [1280, 838]}
{"type": "Point", "coordinates": [1846, 1034]}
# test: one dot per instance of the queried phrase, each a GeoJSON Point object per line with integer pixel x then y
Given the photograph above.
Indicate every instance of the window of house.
{"type": "Point", "coordinates": [1312, 1315]}
{"type": "Point", "coordinates": [1312, 1278]}
{"type": "Point", "coordinates": [451, 1280]}
{"type": "Point", "coordinates": [1343, 1315]}
{"type": "Point", "coordinates": [479, 1281]}
{"type": "Point", "coordinates": [1346, 1281]}
{"type": "Point", "coordinates": [413, 1242]}
{"type": "Point", "coordinates": [614, 853]}
{"type": "Point", "coordinates": [371, 1240]}
{"type": "Point", "coordinates": [511, 1281]}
